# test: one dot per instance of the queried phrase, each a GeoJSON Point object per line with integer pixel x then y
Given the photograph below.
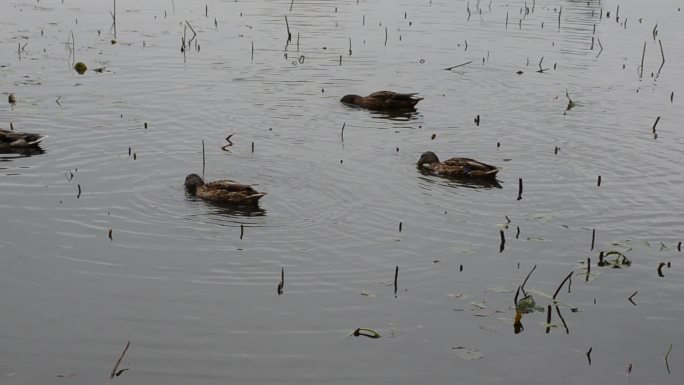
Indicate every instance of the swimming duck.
{"type": "Point", "coordinates": [456, 167]}
{"type": "Point", "coordinates": [19, 142]}
{"type": "Point", "coordinates": [226, 191]}
{"type": "Point", "coordinates": [383, 100]}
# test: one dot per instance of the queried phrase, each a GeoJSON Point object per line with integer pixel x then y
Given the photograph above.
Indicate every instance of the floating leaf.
{"type": "Point", "coordinates": [526, 304]}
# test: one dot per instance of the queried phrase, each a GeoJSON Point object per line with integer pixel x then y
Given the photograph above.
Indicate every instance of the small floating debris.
{"type": "Point", "coordinates": [12, 99]}
{"type": "Point", "coordinates": [618, 262]}
{"type": "Point", "coordinates": [370, 333]}
{"type": "Point", "coordinates": [80, 67]}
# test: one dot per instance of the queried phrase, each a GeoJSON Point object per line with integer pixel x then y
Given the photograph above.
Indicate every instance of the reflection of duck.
{"type": "Point", "coordinates": [456, 167]}
{"type": "Point", "coordinates": [24, 143]}
{"type": "Point", "coordinates": [383, 100]}
{"type": "Point", "coordinates": [226, 191]}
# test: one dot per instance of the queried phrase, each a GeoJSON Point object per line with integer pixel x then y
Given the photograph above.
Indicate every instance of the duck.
{"type": "Point", "coordinates": [224, 191]}
{"type": "Point", "coordinates": [383, 100]}
{"type": "Point", "coordinates": [19, 142]}
{"type": "Point", "coordinates": [456, 167]}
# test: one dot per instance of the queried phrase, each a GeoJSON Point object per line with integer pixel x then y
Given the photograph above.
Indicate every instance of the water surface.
{"type": "Point", "coordinates": [200, 304]}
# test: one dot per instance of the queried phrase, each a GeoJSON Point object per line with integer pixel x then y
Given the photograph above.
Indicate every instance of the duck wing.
{"type": "Point", "coordinates": [20, 139]}
{"type": "Point", "coordinates": [393, 100]}
{"type": "Point", "coordinates": [472, 167]}
{"type": "Point", "coordinates": [230, 186]}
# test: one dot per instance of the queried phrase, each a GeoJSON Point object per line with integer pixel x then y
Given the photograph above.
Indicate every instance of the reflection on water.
{"type": "Point", "coordinates": [398, 115]}
{"type": "Point", "coordinates": [20, 151]}
{"type": "Point", "coordinates": [453, 181]}
{"type": "Point", "coordinates": [233, 210]}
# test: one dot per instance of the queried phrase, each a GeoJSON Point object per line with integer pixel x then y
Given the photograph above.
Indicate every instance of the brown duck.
{"type": "Point", "coordinates": [226, 191]}
{"type": "Point", "coordinates": [383, 100]}
{"type": "Point", "coordinates": [19, 142]}
{"type": "Point", "coordinates": [456, 167]}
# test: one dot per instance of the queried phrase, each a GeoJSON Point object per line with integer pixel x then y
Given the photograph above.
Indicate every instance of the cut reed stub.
{"type": "Point", "coordinates": [396, 276]}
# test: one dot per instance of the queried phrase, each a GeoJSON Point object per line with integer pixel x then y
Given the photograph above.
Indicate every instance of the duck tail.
{"type": "Point", "coordinates": [37, 140]}
{"type": "Point", "coordinates": [254, 198]}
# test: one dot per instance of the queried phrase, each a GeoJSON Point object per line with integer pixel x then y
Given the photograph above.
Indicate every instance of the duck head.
{"type": "Point", "coordinates": [193, 181]}
{"type": "Point", "coordinates": [428, 157]}
{"type": "Point", "coordinates": [351, 99]}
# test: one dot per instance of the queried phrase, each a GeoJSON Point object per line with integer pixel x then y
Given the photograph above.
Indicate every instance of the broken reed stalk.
{"type": "Point", "coordinates": [569, 276]}
{"type": "Point", "coordinates": [559, 16]}
{"type": "Point", "coordinates": [458, 65]}
{"type": "Point", "coordinates": [118, 362]}
{"type": "Point", "coordinates": [342, 134]}
{"type": "Point", "coordinates": [565, 325]}
{"type": "Point", "coordinates": [667, 363]}
{"type": "Point", "coordinates": [281, 284]}
{"type": "Point", "coordinates": [194, 34]}
{"type": "Point", "coordinates": [589, 354]}
{"type": "Point", "coordinates": [350, 50]}
{"type": "Point", "coordinates": [655, 124]}
{"type": "Point", "coordinates": [593, 238]}
{"type": "Point", "coordinates": [588, 269]}
{"type": "Point", "coordinates": [289, 35]}
{"type": "Point", "coordinates": [631, 297]}
{"type": "Point", "coordinates": [396, 276]}
{"type": "Point", "coordinates": [385, 36]}
{"type": "Point", "coordinates": [548, 319]}
{"type": "Point", "coordinates": [114, 19]}
{"type": "Point", "coordinates": [598, 182]}
{"type": "Point", "coordinates": [291, 5]}
{"type": "Point", "coordinates": [503, 241]}
{"type": "Point", "coordinates": [506, 20]}
{"type": "Point", "coordinates": [522, 287]}
{"type": "Point", "coordinates": [641, 68]}
{"type": "Point", "coordinates": [662, 54]}
{"type": "Point", "coordinates": [400, 226]}
{"type": "Point", "coordinates": [204, 162]}
{"type": "Point", "coordinates": [520, 188]}
{"type": "Point", "coordinates": [252, 51]}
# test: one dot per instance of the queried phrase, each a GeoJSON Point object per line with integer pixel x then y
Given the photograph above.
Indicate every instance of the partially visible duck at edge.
{"type": "Point", "coordinates": [225, 191]}
{"type": "Point", "coordinates": [19, 142]}
{"type": "Point", "coordinates": [383, 100]}
{"type": "Point", "coordinates": [456, 167]}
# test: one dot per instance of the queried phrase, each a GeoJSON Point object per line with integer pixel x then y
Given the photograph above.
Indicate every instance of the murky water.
{"type": "Point", "coordinates": [199, 304]}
